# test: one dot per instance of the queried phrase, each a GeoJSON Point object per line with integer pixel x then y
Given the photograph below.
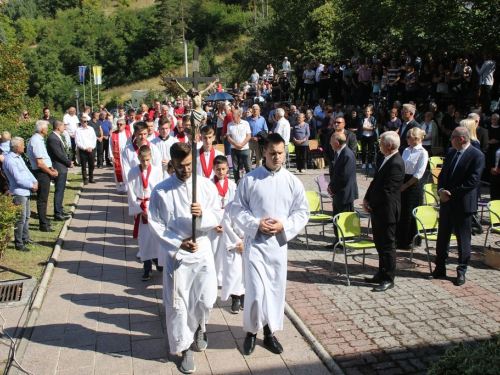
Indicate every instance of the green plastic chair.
{"type": "Point", "coordinates": [349, 231]}
{"type": "Point", "coordinates": [431, 194]}
{"type": "Point", "coordinates": [427, 228]}
{"type": "Point", "coordinates": [494, 210]}
{"type": "Point", "coordinates": [316, 213]}
{"type": "Point", "coordinates": [436, 162]}
{"type": "Point", "coordinates": [291, 153]}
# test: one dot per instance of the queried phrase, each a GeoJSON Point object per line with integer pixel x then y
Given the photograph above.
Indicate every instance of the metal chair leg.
{"type": "Point", "coordinates": [333, 259]}
{"type": "Point", "coordinates": [364, 253]}
{"type": "Point", "coordinates": [486, 239]}
{"type": "Point", "coordinates": [346, 268]}
{"type": "Point", "coordinates": [428, 254]}
{"type": "Point", "coordinates": [307, 238]}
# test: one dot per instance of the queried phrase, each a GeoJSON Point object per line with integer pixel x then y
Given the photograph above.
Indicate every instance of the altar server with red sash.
{"type": "Point", "coordinates": [116, 146]}
{"type": "Point", "coordinates": [129, 156]}
{"type": "Point", "coordinates": [163, 142]}
{"type": "Point", "coordinates": [140, 182]}
{"type": "Point", "coordinates": [226, 189]}
{"type": "Point", "coordinates": [205, 163]}
{"type": "Point", "coordinates": [152, 134]}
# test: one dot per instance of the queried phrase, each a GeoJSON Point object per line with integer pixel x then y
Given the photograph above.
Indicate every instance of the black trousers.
{"type": "Point", "coordinates": [368, 146]}
{"type": "Point", "coordinates": [60, 187]}
{"type": "Point", "coordinates": [486, 98]}
{"type": "Point", "coordinates": [301, 156]}
{"type": "Point", "coordinates": [87, 158]}
{"type": "Point", "coordinates": [452, 220]}
{"type": "Point", "coordinates": [105, 145]}
{"type": "Point", "coordinates": [384, 236]}
{"type": "Point", "coordinates": [100, 153]}
{"type": "Point", "coordinates": [42, 197]}
{"type": "Point", "coordinates": [73, 148]}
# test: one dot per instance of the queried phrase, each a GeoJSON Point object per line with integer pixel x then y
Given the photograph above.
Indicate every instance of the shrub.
{"type": "Point", "coordinates": [482, 359]}
{"type": "Point", "coordinates": [9, 213]}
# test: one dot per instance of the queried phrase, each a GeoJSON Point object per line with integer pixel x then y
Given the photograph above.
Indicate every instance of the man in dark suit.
{"type": "Point", "coordinates": [343, 187]}
{"type": "Point", "coordinates": [457, 184]}
{"type": "Point", "coordinates": [383, 202]}
{"type": "Point", "coordinates": [482, 133]}
{"type": "Point", "coordinates": [339, 128]}
{"type": "Point", "coordinates": [61, 162]}
{"type": "Point", "coordinates": [408, 122]}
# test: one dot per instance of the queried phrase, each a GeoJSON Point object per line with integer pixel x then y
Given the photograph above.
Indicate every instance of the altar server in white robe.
{"type": "Point", "coordinates": [130, 157]}
{"type": "Point", "coordinates": [140, 182]}
{"type": "Point", "coordinates": [189, 279]}
{"type": "Point", "coordinates": [226, 189]}
{"type": "Point", "coordinates": [232, 270]}
{"type": "Point", "coordinates": [163, 142]}
{"type": "Point", "coordinates": [271, 208]}
{"type": "Point", "coordinates": [205, 163]}
{"type": "Point", "coordinates": [116, 146]}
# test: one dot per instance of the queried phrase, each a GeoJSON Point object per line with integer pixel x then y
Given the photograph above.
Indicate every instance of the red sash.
{"type": "Point", "coordinates": [181, 137]}
{"type": "Point", "coordinates": [115, 146]}
{"type": "Point", "coordinates": [222, 190]}
{"type": "Point", "coordinates": [207, 171]}
{"type": "Point", "coordinates": [144, 207]}
{"type": "Point", "coordinates": [136, 148]}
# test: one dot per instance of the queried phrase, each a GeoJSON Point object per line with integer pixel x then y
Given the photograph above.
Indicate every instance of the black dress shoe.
{"type": "Point", "coordinates": [460, 280]}
{"type": "Point", "coordinates": [330, 247]}
{"type": "Point", "coordinates": [249, 344]}
{"type": "Point", "coordinates": [86, 182]}
{"type": "Point", "coordinates": [437, 274]}
{"type": "Point", "coordinates": [47, 229]}
{"type": "Point", "coordinates": [93, 181]}
{"type": "Point", "coordinates": [60, 218]}
{"type": "Point", "coordinates": [272, 343]}
{"type": "Point", "coordinates": [373, 280]}
{"type": "Point", "coordinates": [29, 241]}
{"type": "Point", "coordinates": [22, 248]}
{"type": "Point", "coordinates": [66, 213]}
{"type": "Point", "coordinates": [383, 286]}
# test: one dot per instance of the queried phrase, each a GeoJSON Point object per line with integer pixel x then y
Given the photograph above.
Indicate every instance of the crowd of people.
{"type": "Point", "coordinates": [243, 226]}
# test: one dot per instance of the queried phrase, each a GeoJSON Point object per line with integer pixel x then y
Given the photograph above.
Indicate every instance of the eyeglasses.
{"type": "Point", "coordinates": [454, 136]}
{"type": "Point", "coordinates": [121, 123]}
{"type": "Point", "coordinates": [338, 122]}
{"type": "Point", "coordinates": [84, 122]}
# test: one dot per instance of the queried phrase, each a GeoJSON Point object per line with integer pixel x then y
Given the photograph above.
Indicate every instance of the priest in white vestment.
{"type": "Point", "coordinates": [118, 143]}
{"type": "Point", "coordinates": [271, 208]}
{"type": "Point", "coordinates": [189, 279]}
{"type": "Point", "coordinates": [140, 182]}
{"type": "Point", "coordinates": [163, 142]}
{"type": "Point", "coordinates": [129, 157]}
{"type": "Point", "coordinates": [232, 270]}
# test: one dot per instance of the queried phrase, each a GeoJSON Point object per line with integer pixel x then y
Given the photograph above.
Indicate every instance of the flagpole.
{"type": "Point", "coordinates": [91, 96]}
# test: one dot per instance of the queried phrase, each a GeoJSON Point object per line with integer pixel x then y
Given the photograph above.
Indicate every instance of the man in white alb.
{"type": "Point", "coordinates": [189, 280]}
{"type": "Point", "coordinates": [163, 142]}
{"type": "Point", "coordinates": [271, 208]}
{"type": "Point", "coordinates": [205, 163]}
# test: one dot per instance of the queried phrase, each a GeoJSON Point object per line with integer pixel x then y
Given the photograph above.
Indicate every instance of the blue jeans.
{"type": "Point", "coordinates": [244, 157]}
{"type": "Point", "coordinates": [60, 186]}
{"type": "Point", "coordinates": [21, 229]}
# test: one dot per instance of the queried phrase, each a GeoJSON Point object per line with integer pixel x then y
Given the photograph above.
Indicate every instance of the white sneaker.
{"type": "Point", "coordinates": [370, 166]}
{"type": "Point", "coordinates": [138, 256]}
{"type": "Point", "coordinates": [67, 182]}
{"type": "Point", "coordinates": [363, 166]}
{"type": "Point", "coordinates": [51, 183]}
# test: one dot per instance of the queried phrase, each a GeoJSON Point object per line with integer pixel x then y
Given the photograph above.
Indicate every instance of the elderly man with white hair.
{"type": "Point", "coordinates": [42, 170]}
{"type": "Point", "coordinates": [482, 133]}
{"type": "Point", "coordinates": [383, 202]}
{"type": "Point", "coordinates": [408, 117]}
{"type": "Point", "coordinates": [282, 127]}
{"type": "Point", "coordinates": [238, 135]}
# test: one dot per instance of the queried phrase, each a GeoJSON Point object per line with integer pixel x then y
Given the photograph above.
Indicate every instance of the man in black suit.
{"type": "Point", "coordinates": [343, 187]}
{"type": "Point", "coordinates": [61, 162]}
{"type": "Point", "coordinates": [457, 184]}
{"type": "Point", "coordinates": [339, 128]}
{"type": "Point", "coordinates": [482, 133]}
{"type": "Point", "coordinates": [408, 122]}
{"type": "Point", "coordinates": [383, 202]}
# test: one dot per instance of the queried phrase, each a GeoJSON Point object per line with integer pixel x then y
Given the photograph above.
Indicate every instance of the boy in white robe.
{"type": "Point", "coordinates": [129, 157]}
{"type": "Point", "coordinates": [163, 142]}
{"type": "Point", "coordinates": [271, 208]}
{"type": "Point", "coordinates": [140, 182]}
{"type": "Point", "coordinates": [205, 163]}
{"type": "Point", "coordinates": [232, 270]}
{"type": "Point", "coordinates": [189, 279]}
{"type": "Point", "coordinates": [117, 144]}
{"type": "Point", "coordinates": [226, 189]}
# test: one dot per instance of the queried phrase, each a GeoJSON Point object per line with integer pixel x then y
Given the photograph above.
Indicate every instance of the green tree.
{"type": "Point", "coordinates": [21, 8]}
{"type": "Point", "coordinates": [14, 77]}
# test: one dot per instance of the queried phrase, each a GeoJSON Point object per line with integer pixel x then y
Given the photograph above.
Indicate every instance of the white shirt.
{"type": "Point", "coordinates": [85, 138]}
{"type": "Point", "coordinates": [368, 124]}
{"type": "Point", "coordinates": [283, 129]}
{"type": "Point", "coordinates": [415, 159]}
{"type": "Point", "coordinates": [428, 128]}
{"type": "Point", "coordinates": [71, 123]}
{"type": "Point", "coordinates": [239, 132]}
{"type": "Point", "coordinates": [387, 158]}
{"type": "Point", "coordinates": [319, 69]}
{"type": "Point", "coordinates": [286, 65]}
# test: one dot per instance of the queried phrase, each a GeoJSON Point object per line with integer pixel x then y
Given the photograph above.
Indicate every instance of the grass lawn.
{"type": "Point", "coordinates": [34, 262]}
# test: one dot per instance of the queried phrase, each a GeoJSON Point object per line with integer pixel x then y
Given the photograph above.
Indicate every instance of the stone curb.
{"type": "Point", "coordinates": [42, 288]}
{"type": "Point", "coordinates": [320, 351]}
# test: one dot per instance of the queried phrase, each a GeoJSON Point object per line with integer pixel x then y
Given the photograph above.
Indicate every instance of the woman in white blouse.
{"type": "Point", "coordinates": [431, 138]}
{"type": "Point", "coordinates": [415, 158]}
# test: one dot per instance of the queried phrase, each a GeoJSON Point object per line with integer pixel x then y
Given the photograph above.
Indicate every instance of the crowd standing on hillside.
{"type": "Point", "coordinates": [243, 226]}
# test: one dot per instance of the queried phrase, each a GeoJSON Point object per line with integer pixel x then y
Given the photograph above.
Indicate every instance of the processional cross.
{"type": "Point", "coordinates": [196, 115]}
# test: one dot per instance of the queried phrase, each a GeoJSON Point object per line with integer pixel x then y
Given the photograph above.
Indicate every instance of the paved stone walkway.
{"type": "Point", "coordinates": [402, 330]}
{"type": "Point", "coordinates": [98, 317]}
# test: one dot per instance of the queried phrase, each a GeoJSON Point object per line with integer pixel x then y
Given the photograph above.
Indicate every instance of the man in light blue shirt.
{"type": "Point", "coordinates": [22, 183]}
{"type": "Point", "coordinates": [42, 170]}
{"type": "Point", "coordinates": [257, 124]}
